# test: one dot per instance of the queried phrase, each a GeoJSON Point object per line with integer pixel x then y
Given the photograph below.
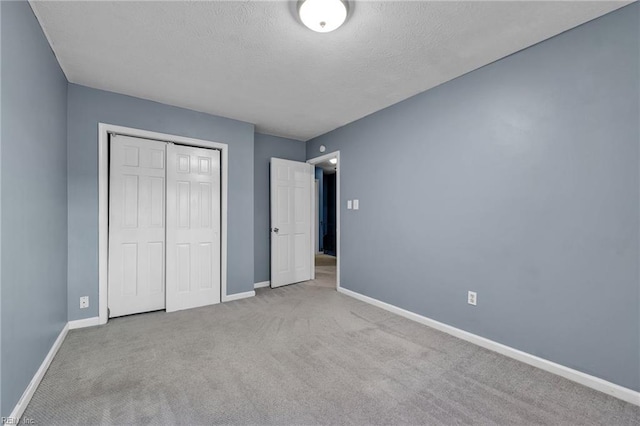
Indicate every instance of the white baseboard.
{"type": "Point", "coordinates": [238, 296]}
{"type": "Point", "coordinates": [592, 382]}
{"type": "Point", "coordinates": [87, 322]}
{"type": "Point", "coordinates": [262, 284]}
{"type": "Point", "coordinates": [18, 410]}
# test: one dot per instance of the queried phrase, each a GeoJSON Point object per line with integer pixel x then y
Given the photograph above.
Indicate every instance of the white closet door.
{"type": "Point", "coordinates": [193, 227]}
{"type": "Point", "coordinates": [291, 251]}
{"type": "Point", "coordinates": [136, 226]}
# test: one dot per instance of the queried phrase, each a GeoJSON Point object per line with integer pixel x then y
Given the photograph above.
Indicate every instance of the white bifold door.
{"type": "Point", "coordinates": [136, 226]}
{"type": "Point", "coordinates": [291, 200]}
{"type": "Point", "coordinates": [164, 226]}
{"type": "Point", "coordinates": [193, 227]}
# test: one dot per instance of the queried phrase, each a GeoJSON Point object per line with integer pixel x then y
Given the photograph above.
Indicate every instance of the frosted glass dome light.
{"type": "Point", "coordinates": [322, 16]}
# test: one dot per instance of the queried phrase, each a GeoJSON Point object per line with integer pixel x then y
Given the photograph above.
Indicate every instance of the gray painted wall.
{"type": "Point", "coordinates": [87, 107]}
{"type": "Point", "coordinates": [519, 181]}
{"type": "Point", "coordinates": [1, 411]}
{"type": "Point", "coordinates": [267, 146]}
{"type": "Point", "coordinates": [34, 200]}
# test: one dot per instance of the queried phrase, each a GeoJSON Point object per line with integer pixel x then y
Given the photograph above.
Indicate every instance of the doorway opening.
{"type": "Point", "coordinates": [326, 219]}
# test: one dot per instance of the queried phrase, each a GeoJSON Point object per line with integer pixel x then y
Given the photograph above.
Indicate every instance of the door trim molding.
{"type": "Point", "coordinates": [103, 202]}
{"type": "Point", "coordinates": [314, 161]}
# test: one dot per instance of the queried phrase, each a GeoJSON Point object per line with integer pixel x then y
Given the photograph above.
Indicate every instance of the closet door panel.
{"type": "Point", "coordinates": [136, 226]}
{"type": "Point", "coordinates": [193, 227]}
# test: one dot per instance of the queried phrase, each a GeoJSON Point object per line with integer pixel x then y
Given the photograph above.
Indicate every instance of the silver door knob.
{"type": "Point", "coordinates": [275, 230]}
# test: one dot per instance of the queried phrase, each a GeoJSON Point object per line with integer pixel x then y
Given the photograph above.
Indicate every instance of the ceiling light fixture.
{"type": "Point", "coordinates": [333, 161]}
{"type": "Point", "coordinates": [322, 16]}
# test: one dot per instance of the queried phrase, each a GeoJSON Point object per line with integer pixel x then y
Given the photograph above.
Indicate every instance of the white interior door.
{"type": "Point", "coordinates": [136, 226]}
{"type": "Point", "coordinates": [193, 227]}
{"type": "Point", "coordinates": [291, 251]}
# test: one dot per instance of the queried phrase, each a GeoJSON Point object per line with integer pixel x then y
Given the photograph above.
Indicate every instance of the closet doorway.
{"type": "Point", "coordinates": [164, 198]}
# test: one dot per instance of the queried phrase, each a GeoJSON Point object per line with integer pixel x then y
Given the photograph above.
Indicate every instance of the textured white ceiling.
{"type": "Point", "coordinates": [253, 61]}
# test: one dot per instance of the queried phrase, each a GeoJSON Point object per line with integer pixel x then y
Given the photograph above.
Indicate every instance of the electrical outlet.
{"type": "Point", "coordinates": [472, 298]}
{"type": "Point", "coordinates": [84, 302]}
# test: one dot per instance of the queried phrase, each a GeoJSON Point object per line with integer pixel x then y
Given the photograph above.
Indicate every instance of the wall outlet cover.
{"type": "Point", "coordinates": [472, 298]}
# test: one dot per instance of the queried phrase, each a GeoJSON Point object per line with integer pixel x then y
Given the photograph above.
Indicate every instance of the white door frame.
{"type": "Point", "coordinates": [314, 161]}
{"type": "Point", "coordinates": [103, 202]}
{"type": "Point", "coordinates": [316, 202]}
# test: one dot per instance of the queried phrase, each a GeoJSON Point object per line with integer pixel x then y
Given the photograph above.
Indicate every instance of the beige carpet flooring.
{"type": "Point", "coordinates": [300, 355]}
{"type": "Point", "coordinates": [326, 260]}
{"type": "Point", "coordinates": [325, 271]}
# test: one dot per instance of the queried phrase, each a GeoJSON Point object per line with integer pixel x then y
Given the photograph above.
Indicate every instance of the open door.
{"type": "Point", "coordinates": [291, 198]}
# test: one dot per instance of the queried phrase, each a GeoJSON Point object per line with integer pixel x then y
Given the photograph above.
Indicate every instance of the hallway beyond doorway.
{"type": "Point", "coordinates": [325, 271]}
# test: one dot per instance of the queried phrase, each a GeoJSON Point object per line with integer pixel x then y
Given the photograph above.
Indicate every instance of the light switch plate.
{"type": "Point", "coordinates": [349, 205]}
{"type": "Point", "coordinates": [356, 204]}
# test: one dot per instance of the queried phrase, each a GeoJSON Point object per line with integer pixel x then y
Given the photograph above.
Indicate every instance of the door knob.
{"type": "Point", "coordinates": [275, 230]}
